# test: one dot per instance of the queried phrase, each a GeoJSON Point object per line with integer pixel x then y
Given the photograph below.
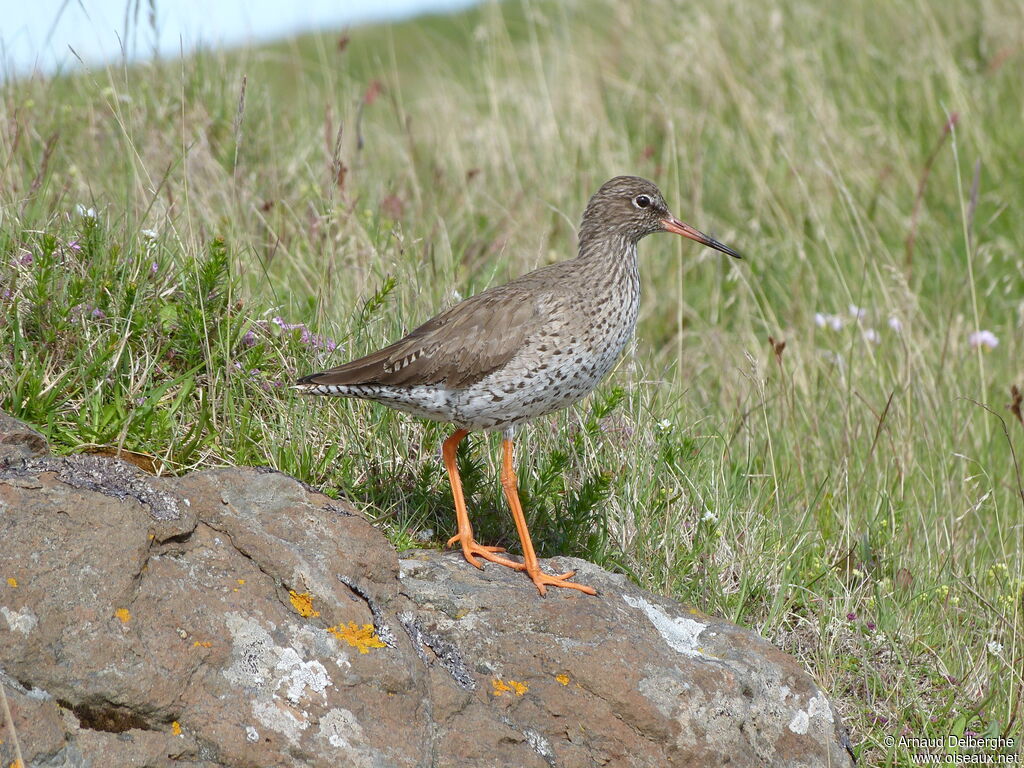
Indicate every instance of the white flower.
{"type": "Point", "coordinates": [895, 323]}
{"type": "Point", "coordinates": [835, 322]}
{"type": "Point", "coordinates": [857, 313]}
{"type": "Point", "coordinates": [710, 517]}
{"type": "Point", "coordinates": [663, 426]}
{"type": "Point", "coordinates": [983, 339]}
{"type": "Point", "coordinates": [995, 648]}
{"type": "Point", "coordinates": [86, 213]}
{"type": "Point", "coordinates": [871, 335]}
{"type": "Point", "coordinates": [149, 234]}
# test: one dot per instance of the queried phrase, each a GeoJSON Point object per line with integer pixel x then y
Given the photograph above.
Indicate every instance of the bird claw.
{"type": "Point", "coordinates": [471, 549]}
{"type": "Point", "coordinates": [541, 580]}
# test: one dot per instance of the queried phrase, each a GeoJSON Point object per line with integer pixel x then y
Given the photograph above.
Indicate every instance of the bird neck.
{"type": "Point", "coordinates": [607, 247]}
{"type": "Point", "coordinates": [609, 260]}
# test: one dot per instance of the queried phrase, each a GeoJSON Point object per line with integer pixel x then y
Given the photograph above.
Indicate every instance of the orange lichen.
{"type": "Point", "coordinates": [563, 679]}
{"type": "Point", "coordinates": [123, 614]}
{"type": "Point", "coordinates": [12, 582]}
{"type": "Point", "coordinates": [508, 686]}
{"type": "Point", "coordinates": [364, 638]}
{"type": "Point", "coordinates": [176, 728]}
{"type": "Point", "coordinates": [303, 603]}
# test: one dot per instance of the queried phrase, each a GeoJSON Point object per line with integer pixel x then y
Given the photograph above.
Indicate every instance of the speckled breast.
{"type": "Point", "coordinates": [561, 364]}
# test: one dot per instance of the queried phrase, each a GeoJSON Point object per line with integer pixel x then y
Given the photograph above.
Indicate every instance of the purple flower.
{"type": "Point", "coordinates": [249, 340]}
{"type": "Point", "coordinates": [871, 626]}
{"type": "Point", "coordinates": [98, 313]}
{"type": "Point", "coordinates": [75, 246]}
{"type": "Point", "coordinates": [280, 323]}
{"type": "Point", "coordinates": [26, 260]}
{"type": "Point", "coordinates": [154, 268]}
{"type": "Point", "coordinates": [851, 616]}
{"type": "Point", "coordinates": [985, 339]}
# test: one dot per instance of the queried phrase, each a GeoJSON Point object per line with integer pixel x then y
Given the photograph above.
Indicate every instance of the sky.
{"type": "Point", "coordinates": [40, 35]}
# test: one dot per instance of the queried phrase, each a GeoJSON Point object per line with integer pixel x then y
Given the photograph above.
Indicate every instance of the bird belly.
{"type": "Point", "coordinates": [538, 382]}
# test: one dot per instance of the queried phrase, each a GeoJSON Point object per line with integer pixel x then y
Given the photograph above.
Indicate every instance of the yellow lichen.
{"type": "Point", "coordinates": [303, 603]}
{"type": "Point", "coordinates": [240, 581]}
{"type": "Point", "coordinates": [176, 728]}
{"type": "Point", "coordinates": [12, 582]}
{"type": "Point", "coordinates": [563, 679]}
{"type": "Point", "coordinates": [508, 686]}
{"type": "Point", "coordinates": [123, 614]}
{"type": "Point", "coordinates": [202, 644]}
{"type": "Point", "coordinates": [364, 638]}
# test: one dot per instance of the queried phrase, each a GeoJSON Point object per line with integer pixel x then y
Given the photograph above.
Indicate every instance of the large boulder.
{"type": "Point", "coordinates": [236, 617]}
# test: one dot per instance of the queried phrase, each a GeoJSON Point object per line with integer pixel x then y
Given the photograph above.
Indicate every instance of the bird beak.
{"type": "Point", "coordinates": [672, 224]}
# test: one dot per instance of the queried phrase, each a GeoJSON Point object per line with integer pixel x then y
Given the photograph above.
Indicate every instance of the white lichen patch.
{"type": "Point", "coordinates": [539, 744]}
{"type": "Point", "coordinates": [254, 650]}
{"type": "Point", "coordinates": [665, 690]}
{"type": "Point", "coordinates": [298, 675]}
{"type": "Point", "coordinates": [817, 706]}
{"type": "Point", "coordinates": [277, 678]}
{"type": "Point", "coordinates": [23, 621]}
{"type": "Point", "coordinates": [279, 716]}
{"type": "Point", "coordinates": [341, 729]}
{"type": "Point", "coordinates": [681, 633]}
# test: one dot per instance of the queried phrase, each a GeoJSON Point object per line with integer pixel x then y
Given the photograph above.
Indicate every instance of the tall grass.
{"type": "Point", "coordinates": [851, 489]}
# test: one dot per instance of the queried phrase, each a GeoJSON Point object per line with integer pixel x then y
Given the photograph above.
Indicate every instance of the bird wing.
{"type": "Point", "coordinates": [455, 349]}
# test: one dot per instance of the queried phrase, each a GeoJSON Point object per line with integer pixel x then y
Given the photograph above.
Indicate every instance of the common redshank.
{"type": "Point", "coordinates": [521, 350]}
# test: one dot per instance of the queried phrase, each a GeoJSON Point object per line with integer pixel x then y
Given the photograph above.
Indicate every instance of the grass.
{"type": "Point", "coordinates": [181, 239]}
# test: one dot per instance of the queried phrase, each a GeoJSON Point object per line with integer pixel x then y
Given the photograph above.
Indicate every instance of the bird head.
{"type": "Point", "coordinates": [630, 208]}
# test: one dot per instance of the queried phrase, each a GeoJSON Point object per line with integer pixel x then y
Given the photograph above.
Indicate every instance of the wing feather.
{"type": "Point", "coordinates": [455, 349]}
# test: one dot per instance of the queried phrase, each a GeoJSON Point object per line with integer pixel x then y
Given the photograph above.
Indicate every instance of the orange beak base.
{"type": "Point", "coordinates": [671, 224]}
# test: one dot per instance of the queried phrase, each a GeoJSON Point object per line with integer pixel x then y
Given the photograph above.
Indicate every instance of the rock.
{"type": "Point", "coordinates": [238, 618]}
{"type": "Point", "coordinates": [19, 441]}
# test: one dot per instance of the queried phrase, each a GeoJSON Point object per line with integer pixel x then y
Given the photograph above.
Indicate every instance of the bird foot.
{"type": "Point", "coordinates": [471, 549]}
{"type": "Point", "coordinates": [542, 580]}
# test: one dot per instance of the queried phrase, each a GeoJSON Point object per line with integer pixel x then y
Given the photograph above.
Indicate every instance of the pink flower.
{"type": "Point", "coordinates": [985, 339]}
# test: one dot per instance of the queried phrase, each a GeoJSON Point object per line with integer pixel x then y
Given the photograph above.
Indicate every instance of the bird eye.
{"type": "Point", "coordinates": [641, 201]}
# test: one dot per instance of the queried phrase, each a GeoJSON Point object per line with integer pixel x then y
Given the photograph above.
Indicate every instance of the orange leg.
{"type": "Point", "coordinates": [470, 549]}
{"type": "Point", "coordinates": [509, 484]}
